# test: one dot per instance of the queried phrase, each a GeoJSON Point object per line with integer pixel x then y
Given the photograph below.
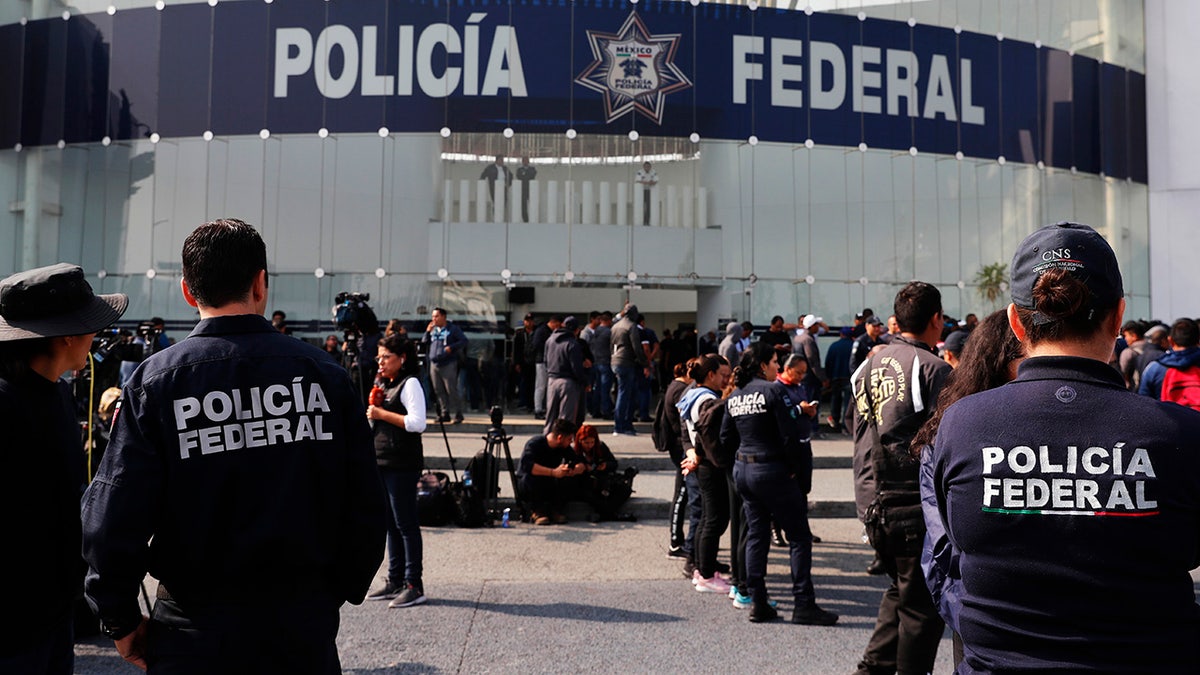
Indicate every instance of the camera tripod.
{"type": "Point", "coordinates": [441, 417]}
{"type": "Point", "coordinates": [497, 438]}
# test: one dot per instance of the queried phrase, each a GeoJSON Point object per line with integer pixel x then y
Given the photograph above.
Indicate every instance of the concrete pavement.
{"type": "Point", "coordinates": [586, 597]}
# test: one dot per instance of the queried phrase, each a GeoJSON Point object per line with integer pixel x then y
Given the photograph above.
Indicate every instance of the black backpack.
{"type": "Point", "coordinates": [435, 507]}
{"type": "Point", "coordinates": [469, 508]}
{"type": "Point", "coordinates": [661, 429]}
{"type": "Point", "coordinates": [708, 433]}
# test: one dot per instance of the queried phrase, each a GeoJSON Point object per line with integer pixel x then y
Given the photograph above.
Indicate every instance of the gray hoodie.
{"type": "Point", "coordinates": [729, 344]}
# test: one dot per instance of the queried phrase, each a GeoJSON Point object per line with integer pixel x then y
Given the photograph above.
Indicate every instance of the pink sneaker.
{"type": "Point", "coordinates": [696, 577]}
{"type": "Point", "coordinates": [717, 584]}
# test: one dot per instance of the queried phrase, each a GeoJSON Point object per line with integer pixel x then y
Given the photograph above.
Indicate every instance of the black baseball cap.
{"type": "Point", "coordinates": [54, 301]}
{"type": "Point", "coordinates": [1075, 248]}
{"type": "Point", "coordinates": [956, 341]}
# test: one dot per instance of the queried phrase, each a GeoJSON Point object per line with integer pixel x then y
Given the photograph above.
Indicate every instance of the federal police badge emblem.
{"type": "Point", "coordinates": [633, 69]}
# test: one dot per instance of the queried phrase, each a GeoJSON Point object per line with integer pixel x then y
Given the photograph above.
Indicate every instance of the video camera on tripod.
{"type": "Point", "coordinates": [357, 321]}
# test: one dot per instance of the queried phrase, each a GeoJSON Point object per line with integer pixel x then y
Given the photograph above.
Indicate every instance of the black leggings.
{"type": "Point", "coordinates": [714, 498]}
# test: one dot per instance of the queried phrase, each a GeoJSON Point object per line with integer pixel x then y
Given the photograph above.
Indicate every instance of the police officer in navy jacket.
{"type": "Point", "coordinates": [773, 474]}
{"type": "Point", "coordinates": [246, 455]}
{"type": "Point", "coordinates": [1072, 503]}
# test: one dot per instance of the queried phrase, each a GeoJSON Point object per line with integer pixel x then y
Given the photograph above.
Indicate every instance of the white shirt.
{"type": "Point", "coordinates": [646, 178]}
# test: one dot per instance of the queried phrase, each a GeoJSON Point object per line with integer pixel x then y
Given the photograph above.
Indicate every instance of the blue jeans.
{"type": "Point", "coordinates": [840, 400]}
{"type": "Point", "coordinates": [600, 398]}
{"type": "Point", "coordinates": [626, 395]}
{"type": "Point", "coordinates": [404, 532]}
{"type": "Point", "coordinates": [769, 491]}
{"type": "Point", "coordinates": [645, 388]}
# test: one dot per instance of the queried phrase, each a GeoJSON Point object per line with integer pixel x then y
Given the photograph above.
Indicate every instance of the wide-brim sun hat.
{"type": "Point", "coordinates": [54, 301]}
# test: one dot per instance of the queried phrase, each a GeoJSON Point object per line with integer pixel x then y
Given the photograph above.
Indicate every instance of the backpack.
{"type": "Point", "coordinates": [484, 469]}
{"type": "Point", "coordinates": [468, 504]}
{"type": "Point", "coordinates": [1182, 386]}
{"type": "Point", "coordinates": [660, 430]}
{"type": "Point", "coordinates": [434, 504]}
{"type": "Point", "coordinates": [708, 433]}
{"type": "Point", "coordinates": [610, 491]}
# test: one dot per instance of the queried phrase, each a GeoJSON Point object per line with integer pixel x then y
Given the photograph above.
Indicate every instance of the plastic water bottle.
{"type": "Point", "coordinates": [504, 518]}
{"type": "Point", "coordinates": [466, 478]}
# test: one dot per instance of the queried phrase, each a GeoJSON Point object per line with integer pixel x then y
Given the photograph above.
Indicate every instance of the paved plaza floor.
{"type": "Point", "coordinates": [602, 598]}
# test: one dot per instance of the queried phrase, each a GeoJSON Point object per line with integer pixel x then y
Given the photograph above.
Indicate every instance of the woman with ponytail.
{"type": "Point", "coordinates": [773, 472]}
{"type": "Point", "coordinates": [710, 374]}
{"type": "Point", "coordinates": [1069, 503]}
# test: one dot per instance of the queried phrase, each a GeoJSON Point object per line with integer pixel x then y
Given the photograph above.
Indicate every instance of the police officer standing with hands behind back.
{"type": "Point", "coordinates": [246, 456]}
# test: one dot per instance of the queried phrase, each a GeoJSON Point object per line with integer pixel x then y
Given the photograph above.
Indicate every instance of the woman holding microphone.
{"type": "Point", "coordinates": [398, 421]}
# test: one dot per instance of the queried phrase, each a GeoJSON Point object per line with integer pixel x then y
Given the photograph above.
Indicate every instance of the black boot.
{"type": "Point", "coordinates": [811, 615]}
{"type": "Point", "coordinates": [762, 612]}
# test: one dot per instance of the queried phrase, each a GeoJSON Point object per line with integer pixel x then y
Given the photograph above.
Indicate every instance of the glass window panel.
{"type": "Point", "coordinates": [184, 76]}
{"type": "Point", "coordinates": [12, 52]}
{"type": "Point", "coordinates": [94, 222]}
{"type": "Point", "coordinates": [87, 88]}
{"type": "Point", "coordinates": [928, 262]}
{"type": "Point", "coordinates": [139, 208]}
{"type": "Point", "coordinates": [242, 179]}
{"type": "Point", "coordinates": [1089, 196]}
{"type": "Point", "coordinates": [72, 199]}
{"type": "Point", "coordinates": [773, 233]}
{"type": "Point", "coordinates": [357, 182]}
{"type": "Point", "coordinates": [133, 74]}
{"type": "Point", "coordinates": [43, 94]}
{"type": "Point", "coordinates": [949, 227]}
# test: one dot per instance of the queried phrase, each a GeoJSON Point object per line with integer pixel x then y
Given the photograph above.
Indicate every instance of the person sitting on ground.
{"type": "Point", "coordinates": [545, 463]}
{"type": "Point", "coordinates": [607, 490]}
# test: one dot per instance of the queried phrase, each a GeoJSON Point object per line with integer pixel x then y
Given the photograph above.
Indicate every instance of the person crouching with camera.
{"type": "Point", "coordinates": [398, 421]}
{"type": "Point", "coordinates": [547, 471]}
{"type": "Point", "coordinates": [607, 490]}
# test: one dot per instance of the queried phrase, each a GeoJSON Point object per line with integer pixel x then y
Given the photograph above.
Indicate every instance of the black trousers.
{"type": "Point", "coordinates": [908, 628]}
{"type": "Point", "coordinates": [271, 636]}
{"type": "Point", "coordinates": [714, 499]}
{"type": "Point", "coordinates": [737, 535]}
{"type": "Point", "coordinates": [547, 495]}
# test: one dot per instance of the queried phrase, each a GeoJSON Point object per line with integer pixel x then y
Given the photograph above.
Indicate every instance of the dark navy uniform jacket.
{"type": "Point", "coordinates": [1074, 508]}
{"type": "Point", "coordinates": [761, 421]}
{"type": "Point", "coordinates": [248, 458]}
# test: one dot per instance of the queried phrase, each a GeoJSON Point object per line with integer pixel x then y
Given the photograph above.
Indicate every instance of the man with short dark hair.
{"type": "Point", "coordinates": [544, 470]}
{"type": "Point", "coordinates": [778, 338]}
{"type": "Point", "coordinates": [535, 350]}
{"type": "Point", "coordinates": [445, 342]}
{"type": "Point", "coordinates": [496, 171]}
{"type": "Point", "coordinates": [525, 173]}
{"type": "Point", "coordinates": [1184, 339]}
{"type": "Point", "coordinates": [893, 329]}
{"type": "Point", "coordinates": [241, 466]}
{"type": "Point", "coordinates": [1134, 333]}
{"type": "Point", "coordinates": [894, 391]}
{"type": "Point", "coordinates": [522, 363]}
{"type": "Point", "coordinates": [871, 338]}
{"type": "Point", "coordinates": [598, 335]}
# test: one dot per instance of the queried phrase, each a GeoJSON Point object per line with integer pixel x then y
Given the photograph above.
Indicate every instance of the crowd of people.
{"type": "Point", "coordinates": [1028, 480]}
